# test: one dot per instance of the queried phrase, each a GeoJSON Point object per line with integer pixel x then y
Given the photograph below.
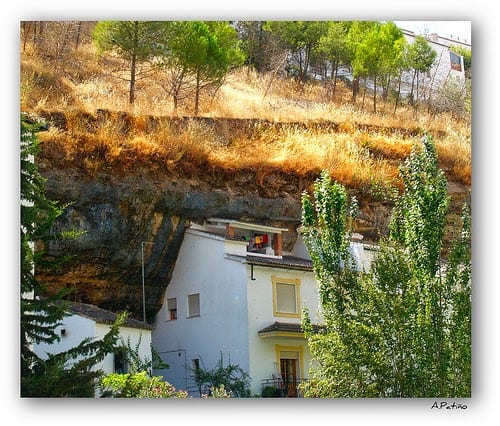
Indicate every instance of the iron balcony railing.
{"type": "Point", "coordinates": [278, 388]}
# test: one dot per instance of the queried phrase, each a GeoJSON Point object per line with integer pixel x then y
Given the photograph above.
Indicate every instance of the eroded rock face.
{"type": "Point", "coordinates": [133, 214]}
{"type": "Point", "coordinates": [125, 220]}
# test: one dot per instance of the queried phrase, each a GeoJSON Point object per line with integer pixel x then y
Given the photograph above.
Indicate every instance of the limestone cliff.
{"type": "Point", "coordinates": [118, 213]}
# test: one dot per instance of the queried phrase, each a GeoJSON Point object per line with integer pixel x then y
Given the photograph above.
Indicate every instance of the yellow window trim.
{"type": "Point", "coordinates": [299, 349]}
{"type": "Point", "coordinates": [295, 281]}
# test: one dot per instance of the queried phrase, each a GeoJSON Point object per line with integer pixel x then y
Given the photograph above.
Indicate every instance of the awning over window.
{"type": "Point", "coordinates": [284, 329]}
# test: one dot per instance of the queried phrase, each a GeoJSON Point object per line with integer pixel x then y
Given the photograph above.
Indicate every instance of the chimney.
{"type": "Point", "coordinates": [229, 231]}
{"type": "Point", "coordinates": [278, 245]}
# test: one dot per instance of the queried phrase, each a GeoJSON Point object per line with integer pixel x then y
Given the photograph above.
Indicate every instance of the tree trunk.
{"type": "Point", "coordinates": [335, 78]}
{"type": "Point", "coordinates": [132, 80]}
{"type": "Point", "coordinates": [355, 89]}
{"type": "Point", "coordinates": [197, 94]}
{"type": "Point", "coordinates": [78, 34]}
{"type": "Point", "coordinates": [397, 95]}
{"type": "Point", "coordinates": [259, 58]}
{"type": "Point", "coordinates": [133, 61]}
{"type": "Point", "coordinates": [375, 94]}
{"type": "Point", "coordinates": [385, 92]}
{"type": "Point", "coordinates": [176, 89]}
{"type": "Point", "coordinates": [364, 96]}
{"type": "Point", "coordinates": [412, 86]}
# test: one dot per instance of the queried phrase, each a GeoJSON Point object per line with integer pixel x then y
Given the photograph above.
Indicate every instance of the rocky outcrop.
{"type": "Point", "coordinates": [136, 218]}
{"type": "Point", "coordinates": [124, 220]}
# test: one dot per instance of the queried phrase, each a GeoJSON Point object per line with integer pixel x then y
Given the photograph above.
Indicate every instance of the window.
{"type": "Point", "coordinates": [455, 61]}
{"type": "Point", "coordinates": [195, 366]}
{"type": "Point", "coordinates": [172, 308]}
{"type": "Point", "coordinates": [286, 301]}
{"type": "Point", "coordinates": [194, 305]}
{"type": "Point", "coordinates": [120, 362]}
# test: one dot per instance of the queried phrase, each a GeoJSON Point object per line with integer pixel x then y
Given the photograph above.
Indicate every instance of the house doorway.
{"type": "Point", "coordinates": [289, 372]}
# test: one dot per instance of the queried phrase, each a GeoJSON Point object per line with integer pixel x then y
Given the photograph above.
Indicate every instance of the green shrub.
{"type": "Point", "coordinates": [138, 385]}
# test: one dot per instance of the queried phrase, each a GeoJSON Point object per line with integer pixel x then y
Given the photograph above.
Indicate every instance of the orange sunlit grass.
{"type": "Point", "coordinates": [102, 131]}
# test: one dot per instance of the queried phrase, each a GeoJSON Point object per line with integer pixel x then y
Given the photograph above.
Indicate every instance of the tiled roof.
{"type": "Point", "coordinates": [103, 316]}
{"type": "Point", "coordinates": [289, 262]}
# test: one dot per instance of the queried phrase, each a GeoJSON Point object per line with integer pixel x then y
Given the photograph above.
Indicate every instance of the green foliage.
{"type": "Point", "coordinates": [232, 378]}
{"type": "Point", "coordinates": [134, 41]}
{"type": "Point", "coordinates": [327, 230]}
{"type": "Point", "coordinates": [466, 54]}
{"type": "Point", "coordinates": [270, 392]}
{"type": "Point", "coordinates": [129, 39]}
{"type": "Point", "coordinates": [69, 373]}
{"type": "Point", "coordinates": [139, 382]}
{"type": "Point", "coordinates": [218, 392]}
{"type": "Point", "coordinates": [138, 385]}
{"type": "Point", "coordinates": [258, 45]}
{"type": "Point", "coordinates": [199, 51]}
{"type": "Point", "coordinates": [301, 38]}
{"type": "Point", "coordinates": [403, 329]}
{"type": "Point", "coordinates": [137, 364]}
{"type": "Point", "coordinates": [420, 58]}
{"type": "Point", "coordinates": [421, 54]}
{"type": "Point", "coordinates": [378, 52]}
{"type": "Point", "coordinates": [454, 98]}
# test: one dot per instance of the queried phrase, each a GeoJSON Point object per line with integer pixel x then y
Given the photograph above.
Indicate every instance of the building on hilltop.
{"type": "Point", "coordinates": [448, 65]}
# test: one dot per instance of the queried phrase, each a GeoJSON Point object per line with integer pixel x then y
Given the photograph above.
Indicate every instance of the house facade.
{"type": "Point", "coordinates": [236, 295]}
{"type": "Point", "coordinates": [447, 66]}
{"type": "Point", "coordinates": [84, 321]}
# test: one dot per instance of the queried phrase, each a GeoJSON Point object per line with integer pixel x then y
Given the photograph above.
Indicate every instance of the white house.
{"type": "Point", "coordinates": [236, 294]}
{"type": "Point", "coordinates": [87, 321]}
{"type": "Point", "coordinates": [447, 65]}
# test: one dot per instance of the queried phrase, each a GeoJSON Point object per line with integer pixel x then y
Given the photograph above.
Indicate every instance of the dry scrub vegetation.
{"type": "Point", "coordinates": [294, 131]}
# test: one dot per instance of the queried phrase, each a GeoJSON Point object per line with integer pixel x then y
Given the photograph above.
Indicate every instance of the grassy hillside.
{"type": "Point", "coordinates": [303, 132]}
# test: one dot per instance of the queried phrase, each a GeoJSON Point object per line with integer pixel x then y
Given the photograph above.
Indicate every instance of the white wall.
{"type": "Point", "coordinates": [439, 73]}
{"type": "Point", "coordinates": [202, 267]}
{"type": "Point", "coordinates": [260, 315]}
{"type": "Point", "coordinates": [134, 334]}
{"type": "Point", "coordinates": [78, 328]}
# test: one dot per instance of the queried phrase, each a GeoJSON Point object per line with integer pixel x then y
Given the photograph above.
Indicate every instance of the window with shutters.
{"type": "Point", "coordinates": [193, 305]}
{"type": "Point", "coordinates": [286, 297]}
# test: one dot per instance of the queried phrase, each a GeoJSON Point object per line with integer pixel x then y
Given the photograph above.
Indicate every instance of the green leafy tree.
{"type": "Point", "coordinates": [421, 58]}
{"type": "Point", "coordinates": [199, 52]}
{"type": "Point", "coordinates": [301, 38]}
{"type": "Point", "coordinates": [333, 46]}
{"type": "Point", "coordinates": [134, 41]}
{"type": "Point", "coordinates": [70, 373]}
{"type": "Point", "coordinates": [376, 54]}
{"type": "Point", "coordinates": [403, 328]}
{"type": "Point", "coordinates": [258, 45]}
{"type": "Point", "coordinates": [402, 65]}
{"type": "Point", "coordinates": [358, 31]}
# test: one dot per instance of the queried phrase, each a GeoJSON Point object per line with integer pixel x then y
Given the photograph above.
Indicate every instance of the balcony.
{"type": "Point", "coordinates": [279, 388]}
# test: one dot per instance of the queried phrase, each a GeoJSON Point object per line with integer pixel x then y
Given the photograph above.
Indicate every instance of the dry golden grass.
{"type": "Point", "coordinates": [363, 150]}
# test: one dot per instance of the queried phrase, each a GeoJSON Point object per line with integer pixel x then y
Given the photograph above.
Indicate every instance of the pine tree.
{"type": "Point", "coordinates": [69, 373]}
